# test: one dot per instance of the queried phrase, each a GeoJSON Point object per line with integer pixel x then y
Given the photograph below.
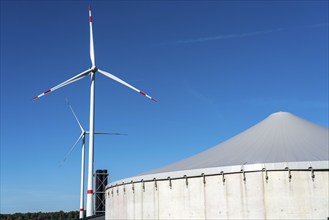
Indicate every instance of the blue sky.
{"type": "Point", "coordinates": [215, 67]}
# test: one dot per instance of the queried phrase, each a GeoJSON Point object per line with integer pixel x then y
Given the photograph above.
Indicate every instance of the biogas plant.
{"type": "Point", "coordinates": [277, 169]}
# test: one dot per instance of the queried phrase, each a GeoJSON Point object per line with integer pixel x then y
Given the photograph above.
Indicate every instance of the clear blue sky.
{"type": "Point", "coordinates": [216, 68]}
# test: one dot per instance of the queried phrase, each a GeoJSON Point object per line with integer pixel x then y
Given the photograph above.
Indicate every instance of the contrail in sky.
{"type": "Point", "coordinates": [242, 35]}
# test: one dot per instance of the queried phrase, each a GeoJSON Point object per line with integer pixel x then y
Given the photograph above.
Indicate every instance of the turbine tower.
{"type": "Point", "coordinates": [82, 137]}
{"type": "Point", "coordinates": [91, 72]}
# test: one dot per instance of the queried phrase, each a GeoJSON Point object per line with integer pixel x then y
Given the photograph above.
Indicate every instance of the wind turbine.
{"type": "Point", "coordinates": [91, 71]}
{"type": "Point", "coordinates": [82, 137]}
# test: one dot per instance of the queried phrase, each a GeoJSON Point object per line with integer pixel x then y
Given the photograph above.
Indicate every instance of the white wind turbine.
{"type": "Point", "coordinates": [92, 71]}
{"type": "Point", "coordinates": [82, 137]}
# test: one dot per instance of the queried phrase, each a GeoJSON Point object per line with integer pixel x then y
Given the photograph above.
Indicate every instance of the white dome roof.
{"type": "Point", "coordinates": [281, 137]}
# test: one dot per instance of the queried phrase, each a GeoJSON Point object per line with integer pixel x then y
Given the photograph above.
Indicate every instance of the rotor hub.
{"type": "Point", "coordinates": [94, 69]}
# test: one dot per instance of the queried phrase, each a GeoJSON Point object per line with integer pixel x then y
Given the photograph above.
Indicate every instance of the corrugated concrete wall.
{"type": "Point", "coordinates": [282, 195]}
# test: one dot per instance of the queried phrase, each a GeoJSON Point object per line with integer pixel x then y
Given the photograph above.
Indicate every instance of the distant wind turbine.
{"type": "Point", "coordinates": [82, 137]}
{"type": "Point", "coordinates": [91, 71]}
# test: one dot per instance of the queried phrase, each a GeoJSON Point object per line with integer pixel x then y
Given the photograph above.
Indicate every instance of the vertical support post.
{"type": "Point", "coordinates": [223, 178]}
{"type": "Point", "coordinates": [132, 186]}
{"type": "Point", "coordinates": [170, 185]}
{"type": "Point", "coordinates": [186, 181]}
{"type": "Point", "coordinates": [204, 178]}
{"type": "Point", "coordinates": [155, 183]}
{"type": "Point", "coordinates": [266, 175]}
{"type": "Point", "coordinates": [143, 185]}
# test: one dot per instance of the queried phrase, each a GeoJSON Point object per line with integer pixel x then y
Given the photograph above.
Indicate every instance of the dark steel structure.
{"type": "Point", "coordinates": [101, 182]}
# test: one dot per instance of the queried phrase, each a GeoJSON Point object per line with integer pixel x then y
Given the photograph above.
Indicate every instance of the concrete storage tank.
{"type": "Point", "coordinates": [277, 169]}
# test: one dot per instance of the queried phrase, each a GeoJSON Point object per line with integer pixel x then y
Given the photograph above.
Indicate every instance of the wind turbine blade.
{"type": "Point", "coordinates": [109, 133]}
{"type": "Point", "coordinates": [76, 118]}
{"type": "Point", "coordinates": [72, 148]}
{"type": "Point", "coordinates": [92, 52]}
{"type": "Point", "coordinates": [71, 80]}
{"type": "Point", "coordinates": [112, 133]}
{"type": "Point", "coordinates": [124, 83]}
